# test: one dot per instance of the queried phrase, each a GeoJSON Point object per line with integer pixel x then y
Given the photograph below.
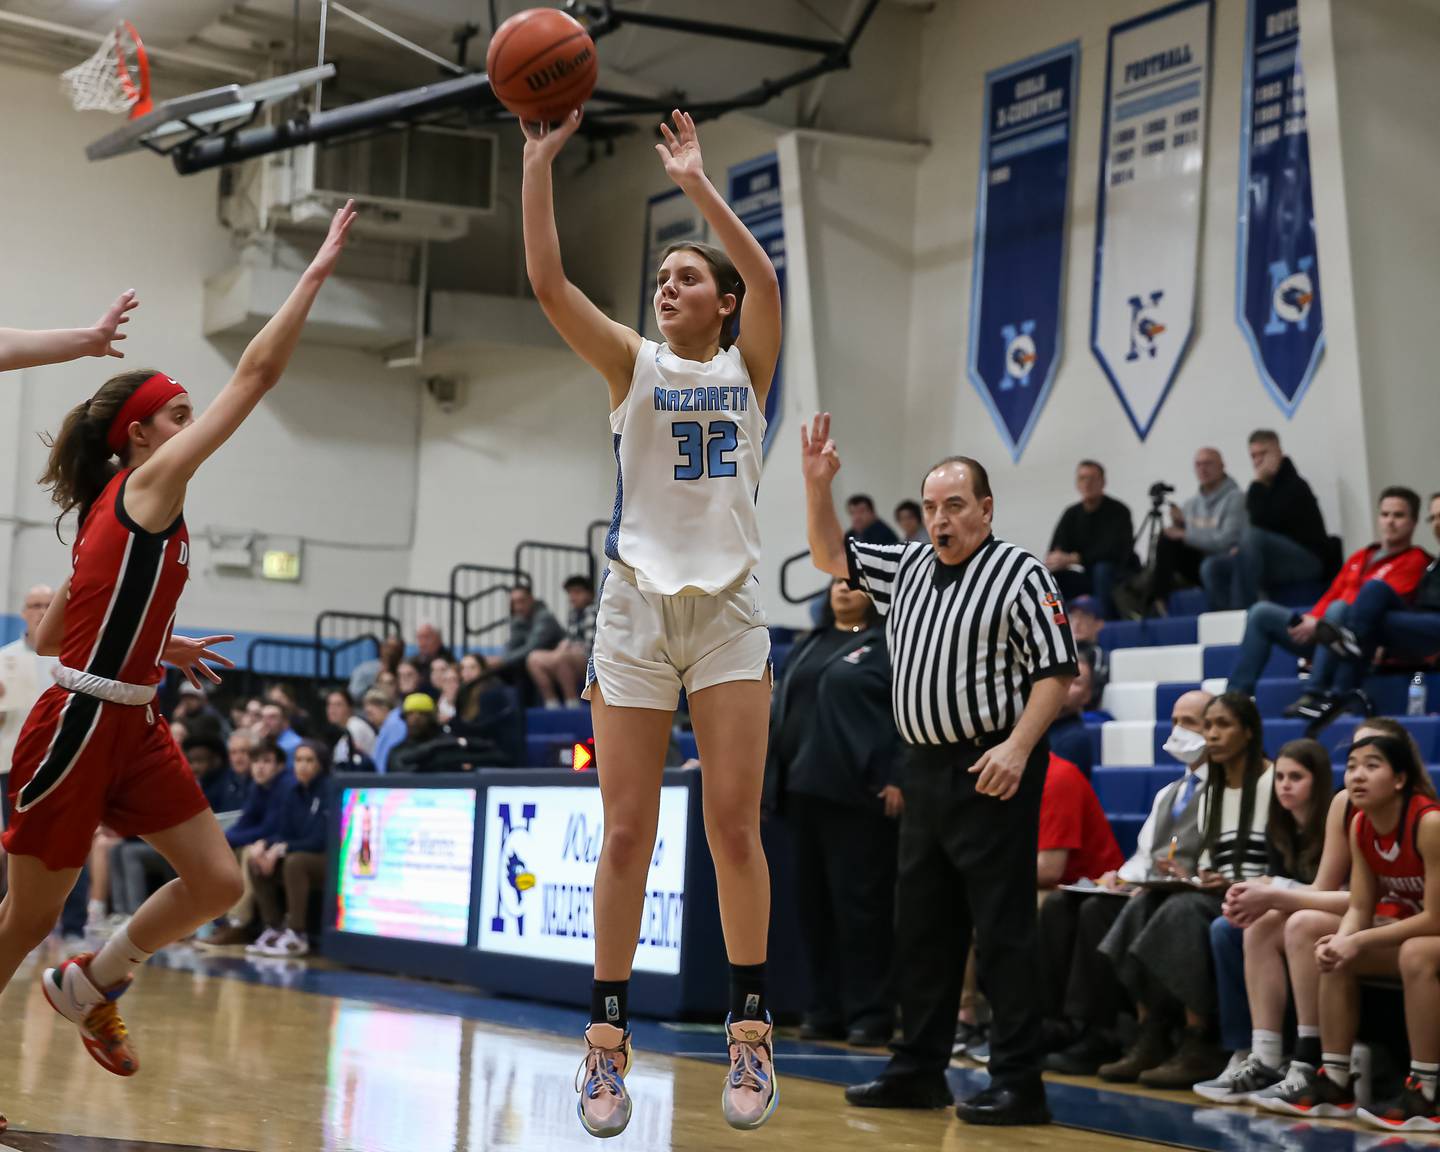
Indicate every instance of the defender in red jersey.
{"type": "Point", "coordinates": [95, 749]}
{"type": "Point", "coordinates": [1392, 928]}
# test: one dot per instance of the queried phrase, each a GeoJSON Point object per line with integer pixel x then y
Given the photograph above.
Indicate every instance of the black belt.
{"type": "Point", "coordinates": [960, 749]}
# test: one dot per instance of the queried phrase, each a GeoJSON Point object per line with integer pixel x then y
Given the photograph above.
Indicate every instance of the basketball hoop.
{"type": "Point", "coordinates": [116, 78]}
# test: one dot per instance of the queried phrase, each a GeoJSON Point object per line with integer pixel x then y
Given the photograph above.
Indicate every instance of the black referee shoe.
{"type": "Point", "coordinates": [921, 1091]}
{"type": "Point", "coordinates": [1005, 1107]}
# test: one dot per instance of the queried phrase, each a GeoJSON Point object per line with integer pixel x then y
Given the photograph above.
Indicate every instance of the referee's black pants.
{"type": "Point", "coordinates": [967, 866]}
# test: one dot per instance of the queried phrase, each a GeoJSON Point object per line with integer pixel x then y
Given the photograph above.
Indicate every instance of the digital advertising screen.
{"type": "Point", "coordinates": [537, 881]}
{"type": "Point", "coordinates": [405, 862]}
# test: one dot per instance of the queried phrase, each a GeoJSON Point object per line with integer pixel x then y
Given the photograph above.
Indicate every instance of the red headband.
{"type": "Point", "coordinates": [144, 402]}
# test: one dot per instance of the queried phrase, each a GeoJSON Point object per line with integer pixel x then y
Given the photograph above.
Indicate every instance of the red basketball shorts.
{"type": "Point", "coordinates": [81, 762]}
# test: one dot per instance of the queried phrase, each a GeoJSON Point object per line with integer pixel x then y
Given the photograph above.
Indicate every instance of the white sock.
{"type": "Point", "coordinates": [1426, 1074]}
{"type": "Point", "coordinates": [1267, 1047]}
{"type": "Point", "coordinates": [1337, 1068]}
{"type": "Point", "coordinates": [95, 910]}
{"type": "Point", "coordinates": [1304, 1031]}
{"type": "Point", "coordinates": [116, 960]}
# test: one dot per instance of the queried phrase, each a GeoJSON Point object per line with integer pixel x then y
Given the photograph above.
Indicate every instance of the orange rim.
{"type": "Point", "coordinates": [138, 94]}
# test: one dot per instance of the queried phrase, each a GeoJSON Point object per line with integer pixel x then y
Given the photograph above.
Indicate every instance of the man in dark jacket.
{"type": "Point", "coordinates": [432, 747]}
{"type": "Point", "coordinates": [1285, 542]}
{"type": "Point", "coordinates": [533, 627]}
{"type": "Point", "coordinates": [1094, 542]}
{"type": "Point", "coordinates": [294, 861]}
{"type": "Point", "coordinates": [251, 834]}
{"type": "Point", "coordinates": [865, 522]}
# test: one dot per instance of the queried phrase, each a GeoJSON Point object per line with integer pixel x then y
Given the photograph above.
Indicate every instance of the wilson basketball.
{"type": "Point", "coordinates": [542, 64]}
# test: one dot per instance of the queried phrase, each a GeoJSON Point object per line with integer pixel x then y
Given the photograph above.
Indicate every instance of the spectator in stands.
{"type": "Point", "coordinates": [275, 723]}
{"type": "Point", "coordinates": [473, 684]}
{"type": "Point", "coordinates": [355, 736]}
{"type": "Point", "coordinates": [388, 683]}
{"type": "Point", "coordinates": [362, 679]}
{"type": "Point", "coordinates": [533, 627]}
{"type": "Point", "coordinates": [240, 716]}
{"type": "Point", "coordinates": [1086, 625]}
{"type": "Point", "coordinates": [1390, 928]}
{"type": "Point", "coordinates": [1094, 543]}
{"type": "Point", "coordinates": [193, 709]}
{"type": "Point", "coordinates": [1083, 998]}
{"type": "Point", "coordinates": [1284, 542]}
{"type": "Point", "coordinates": [298, 718]}
{"type": "Point", "coordinates": [446, 678]}
{"type": "Point", "coordinates": [251, 834]}
{"type": "Point", "coordinates": [421, 726]}
{"type": "Point", "coordinates": [392, 730]}
{"type": "Point", "coordinates": [1309, 865]}
{"type": "Point", "coordinates": [559, 673]}
{"type": "Point", "coordinates": [238, 749]}
{"type": "Point", "coordinates": [296, 856]}
{"type": "Point", "coordinates": [834, 774]}
{"type": "Point", "coordinates": [1393, 558]}
{"type": "Point", "coordinates": [1160, 945]}
{"type": "Point", "coordinates": [408, 679]}
{"type": "Point", "coordinates": [1069, 739]}
{"type": "Point", "coordinates": [911, 523]}
{"type": "Point", "coordinates": [1378, 615]}
{"type": "Point", "coordinates": [865, 524]}
{"type": "Point", "coordinates": [1075, 837]}
{"type": "Point", "coordinates": [1208, 527]}
{"type": "Point", "coordinates": [433, 747]}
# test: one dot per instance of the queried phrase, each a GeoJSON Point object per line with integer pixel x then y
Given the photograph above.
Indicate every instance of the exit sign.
{"type": "Point", "coordinates": [279, 565]}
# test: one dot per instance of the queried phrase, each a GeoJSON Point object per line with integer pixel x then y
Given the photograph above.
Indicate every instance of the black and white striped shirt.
{"type": "Point", "coordinates": [966, 640]}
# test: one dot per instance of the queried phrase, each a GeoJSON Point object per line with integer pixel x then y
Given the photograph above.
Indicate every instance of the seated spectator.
{"type": "Point", "coordinates": [1075, 837]}
{"type": "Point", "coordinates": [275, 723]}
{"type": "Point", "coordinates": [473, 683]}
{"type": "Point", "coordinates": [1393, 559]}
{"type": "Point", "coordinates": [354, 734]}
{"type": "Point", "coordinates": [1284, 541]}
{"type": "Point", "coordinates": [296, 716]}
{"type": "Point", "coordinates": [1209, 526]}
{"type": "Point", "coordinates": [362, 679]}
{"type": "Point", "coordinates": [446, 679]}
{"type": "Point", "coordinates": [237, 751]}
{"type": "Point", "coordinates": [251, 834]}
{"type": "Point", "coordinates": [559, 673]}
{"type": "Point", "coordinates": [865, 525]}
{"type": "Point", "coordinates": [1086, 624]}
{"type": "Point", "coordinates": [1081, 995]}
{"type": "Point", "coordinates": [1391, 928]}
{"type": "Point", "coordinates": [1160, 945]}
{"type": "Point", "coordinates": [1378, 615]}
{"type": "Point", "coordinates": [532, 628]}
{"type": "Point", "coordinates": [393, 729]}
{"type": "Point", "coordinates": [295, 858]}
{"type": "Point", "coordinates": [1068, 737]}
{"type": "Point", "coordinates": [911, 522]}
{"type": "Point", "coordinates": [245, 713]}
{"type": "Point", "coordinates": [193, 709]}
{"type": "Point", "coordinates": [833, 774]}
{"type": "Point", "coordinates": [430, 746]}
{"type": "Point", "coordinates": [1094, 542]}
{"type": "Point", "coordinates": [429, 646]}
{"type": "Point", "coordinates": [1247, 941]}
{"type": "Point", "coordinates": [388, 682]}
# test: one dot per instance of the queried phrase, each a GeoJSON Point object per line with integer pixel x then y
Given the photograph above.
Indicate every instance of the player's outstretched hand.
{"type": "Point", "coordinates": [106, 332]}
{"type": "Point", "coordinates": [189, 655]}
{"type": "Point", "coordinates": [544, 141]}
{"type": "Point", "coordinates": [680, 153]}
{"type": "Point", "coordinates": [329, 254]}
{"type": "Point", "coordinates": [819, 459]}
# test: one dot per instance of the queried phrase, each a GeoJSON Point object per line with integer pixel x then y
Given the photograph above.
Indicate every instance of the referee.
{"type": "Point", "coordinates": [981, 655]}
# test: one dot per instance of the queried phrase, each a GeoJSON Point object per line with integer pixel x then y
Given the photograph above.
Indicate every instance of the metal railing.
{"type": "Point", "coordinates": [481, 604]}
{"type": "Point", "coordinates": [270, 657]}
{"type": "Point", "coordinates": [344, 640]}
{"type": "Point", "coordinates": [411, 607]}
{"type": "Point", "coordinates": [550, 565]}
{"type": "Point", "coordinates": [793, 597]}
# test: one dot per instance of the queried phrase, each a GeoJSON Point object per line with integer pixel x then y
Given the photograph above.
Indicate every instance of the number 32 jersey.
{"type": "Point", "coordinates": [688, 446]}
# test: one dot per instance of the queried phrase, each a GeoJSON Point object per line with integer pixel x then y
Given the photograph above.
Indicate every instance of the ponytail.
{"type": "Point", "coordinates": [81, 463]}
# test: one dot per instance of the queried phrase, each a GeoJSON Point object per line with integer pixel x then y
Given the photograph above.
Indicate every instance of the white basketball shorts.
{"type": "Point", "coordinates": [648, 646]}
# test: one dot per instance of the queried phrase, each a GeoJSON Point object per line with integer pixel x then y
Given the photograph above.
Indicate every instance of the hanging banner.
{"type": "Point", "coordinates": [1015, 298]}
{"type": "Point", "coordinates": [1278, 275]}
{"type": "Point", "coordinates": [1152, 180]}
{"type": "Point", "coordinates": [670, 217]}
{"type": "Point", "coordinates": [755, 198]}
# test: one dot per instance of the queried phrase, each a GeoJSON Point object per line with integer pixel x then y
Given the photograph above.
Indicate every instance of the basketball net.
{"type": "Point", "coordinates": [116, 78]}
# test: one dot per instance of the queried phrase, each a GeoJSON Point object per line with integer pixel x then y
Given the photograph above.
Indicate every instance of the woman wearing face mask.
{"type": "Point", "coordinates": [1160, 944]}
{"type": "Point", "coordinates": [1248, 941]}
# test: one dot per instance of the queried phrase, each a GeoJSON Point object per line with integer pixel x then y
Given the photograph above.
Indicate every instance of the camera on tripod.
{"type": "Point", "coordinates": [1158, 491]}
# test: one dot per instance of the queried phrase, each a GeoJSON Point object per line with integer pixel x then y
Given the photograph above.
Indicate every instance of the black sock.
{"type": "Point", "coordinates": [1307, 1050]}
{"type": "Point", "coordinates": [610, 1003]}
{"type": "Point", "coordinates": [747, 991]}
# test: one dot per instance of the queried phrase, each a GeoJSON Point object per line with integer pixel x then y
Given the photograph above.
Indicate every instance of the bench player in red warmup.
{"type": "Point", "coordinates": [95, 749]}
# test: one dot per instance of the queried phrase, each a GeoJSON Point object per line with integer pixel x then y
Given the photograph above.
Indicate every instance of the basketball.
{"type": "Point", "coordinates": [542, 64]}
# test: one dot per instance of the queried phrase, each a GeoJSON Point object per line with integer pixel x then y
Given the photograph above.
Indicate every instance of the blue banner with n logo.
{"type": "Point", "coordinates": [1278, 290]}
{"type": "Point", "coordinates": [755, 198]}
{"type": "Point", "coordinates": [1015, 299]}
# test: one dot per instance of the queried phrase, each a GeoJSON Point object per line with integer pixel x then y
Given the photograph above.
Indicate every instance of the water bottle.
{"type": "Point", "coordinates": [1415, 696]}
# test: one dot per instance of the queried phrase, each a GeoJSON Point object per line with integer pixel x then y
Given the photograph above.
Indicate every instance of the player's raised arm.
{"type": "Point", "coordinates": [605, 345]}
{"type": "Point", "coordinates": [157, 488]}
{"type": "Point", "coordinates": [22, 349]}
{"type": "Point", "coordinates": [761, 327]}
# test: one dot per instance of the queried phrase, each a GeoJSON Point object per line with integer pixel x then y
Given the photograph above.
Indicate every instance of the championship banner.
{"type": "Point", "coordinates": [1015, 298]}
{"type": "Point", "coordinates": [1278, 277]}
{"type": "Point", "coordinates": [670, 217]}
{"type": "Point", "coordinates": [755, 198]}
{"type": "Point", "coordinates": [1152, 180]}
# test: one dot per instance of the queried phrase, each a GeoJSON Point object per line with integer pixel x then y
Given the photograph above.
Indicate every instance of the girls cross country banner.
{"type": "Point", "coordinates": [670, 217]}
{"type": "Point", "coordinates": [1016, 294]}
{"type": "Point", "coordinates": [1152, 180]}
{"type": "Point", "coordinates": [754, 196]}
{"type": "Point", "coordinates": [1278, 290]}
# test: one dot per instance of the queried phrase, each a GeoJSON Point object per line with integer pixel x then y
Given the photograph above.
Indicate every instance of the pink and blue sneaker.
{"type": "Point", "coordinates": [604, 1106]}
{"type": "Point", "coordinates": [751, 1092]}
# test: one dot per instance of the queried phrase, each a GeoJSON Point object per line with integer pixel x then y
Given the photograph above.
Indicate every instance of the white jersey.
{"type": "Point", "coordinates": [25, 675]}
{"type": "Point", "coordinates": [688, 442]}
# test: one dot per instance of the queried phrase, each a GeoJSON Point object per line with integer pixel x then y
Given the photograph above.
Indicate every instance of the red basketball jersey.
{"type": "Point", "coordinates": [124, 588]}
{"type": "Point", "coordinates": [1395, 860]}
